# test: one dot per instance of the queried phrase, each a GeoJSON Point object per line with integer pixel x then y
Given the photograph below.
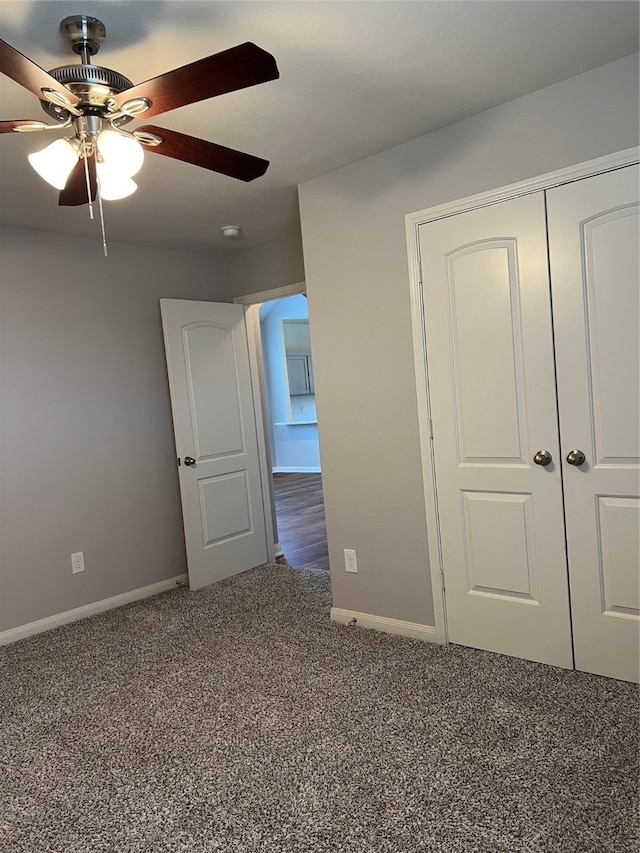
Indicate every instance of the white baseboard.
{"type": "Point", "coordinates": [31, 628]}
{"type": "Point", "coordinates": [296, 469]}
{"type": "Point", "coordinates": [278, 550]}
{"type": "Point", "coordinates": [382, 623]}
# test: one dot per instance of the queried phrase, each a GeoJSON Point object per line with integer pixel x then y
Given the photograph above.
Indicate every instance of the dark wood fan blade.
{"type": "Point", "coordinates": [236, 68]}
{"type": "Point", "coordinates": [75, 192]}
{"type": "Point", "coordinates": [208, 155]}
{"type": "Point", "coordinates": [8, 126]}
{"type": "Point", "coordinates": [25, 72]}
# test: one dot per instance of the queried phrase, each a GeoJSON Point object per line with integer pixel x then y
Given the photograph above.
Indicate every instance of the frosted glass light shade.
{"type": "Point", "coordinates": [55, 162]}
{"type": "Point", "coordinates": [121, 153]}
{"type": "Point", "coordinates": [114, 185]}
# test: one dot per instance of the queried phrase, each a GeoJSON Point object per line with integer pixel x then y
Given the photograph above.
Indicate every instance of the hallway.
{"type": "Point", "coordinates": [301, 524]}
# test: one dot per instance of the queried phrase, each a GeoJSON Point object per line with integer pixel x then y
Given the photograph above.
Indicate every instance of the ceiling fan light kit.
{"type": "Point", "coordinates": [123, 153]}
{"type": "Point", "coordinates": [118, 159]}
{"type": "Point", "coordinates": [100, 159]}
{"type": "Point", "coordinates": [113, 186]}
{"type": "Point", "coordinates": [55, 162]}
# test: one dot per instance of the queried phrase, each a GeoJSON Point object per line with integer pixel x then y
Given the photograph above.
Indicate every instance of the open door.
{"type": "Point", "coordinates": [214, 418]}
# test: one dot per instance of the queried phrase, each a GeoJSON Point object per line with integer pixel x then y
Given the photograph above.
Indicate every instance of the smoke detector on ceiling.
{"type": "Point", "coordinates": [231, 231]}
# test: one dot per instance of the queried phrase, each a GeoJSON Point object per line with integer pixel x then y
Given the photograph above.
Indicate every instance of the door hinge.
{"type": "Point", "coordinates": [442, 580]}
{"type": "Point", "coordinates": [430, 428]}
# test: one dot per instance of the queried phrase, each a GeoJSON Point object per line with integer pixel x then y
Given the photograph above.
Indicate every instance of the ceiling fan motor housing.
{"type": "Point", "coordinates": [94, 86]}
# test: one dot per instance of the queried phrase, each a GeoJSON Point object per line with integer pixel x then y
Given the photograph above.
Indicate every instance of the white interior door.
{"type": "Point", "coordinates": [225, 516]}
{"type": "Point", "coordinates": [493, 404]}
{"type": "Point", "coordinates": [594, 251]}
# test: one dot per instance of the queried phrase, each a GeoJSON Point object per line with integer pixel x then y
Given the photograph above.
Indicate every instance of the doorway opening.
{"type": "Point", "coordinates": [302, 534]}
{"type": "Point", "coordinates": [278, 322]}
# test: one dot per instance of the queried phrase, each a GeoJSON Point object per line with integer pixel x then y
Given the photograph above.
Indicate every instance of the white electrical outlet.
{"type": "Point", "coordinates": [350, 562]}
{"type": "Point", "coordinates": [77, 562]}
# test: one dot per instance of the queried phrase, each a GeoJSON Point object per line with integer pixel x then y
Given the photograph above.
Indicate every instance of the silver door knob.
{"type": "Point", "coordinates": [576, 457]}
{"type": "Point", "coordinates": [542, 457]}
{"type": "Point", "coordinates": [189, 460]}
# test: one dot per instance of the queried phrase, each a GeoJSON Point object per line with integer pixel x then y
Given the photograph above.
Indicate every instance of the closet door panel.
{"type": "Point", "coordinates": [493, 405]}
{"type": "Point", "coordinates": [595, 275]}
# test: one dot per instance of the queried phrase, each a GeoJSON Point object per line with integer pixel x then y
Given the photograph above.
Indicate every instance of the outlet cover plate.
{"type": "Point", "coordinates": [350, 562]}
{"type": "Point", "coordinates": [77, 562]}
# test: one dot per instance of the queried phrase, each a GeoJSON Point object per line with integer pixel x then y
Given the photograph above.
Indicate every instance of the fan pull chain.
{"type": "Point", "coordinates": [86, 177]}
{"type": "Point", "coordinates": [104, 236]}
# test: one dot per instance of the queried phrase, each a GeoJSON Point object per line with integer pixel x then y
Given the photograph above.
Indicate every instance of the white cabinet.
{"type": "Point", "coordinates": [300, 375]}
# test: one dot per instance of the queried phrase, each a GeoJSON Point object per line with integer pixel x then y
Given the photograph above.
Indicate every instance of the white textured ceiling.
{"type": "Point", "coordinates": [355, 78]}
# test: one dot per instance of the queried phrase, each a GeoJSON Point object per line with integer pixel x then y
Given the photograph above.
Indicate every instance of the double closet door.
{"type": "Point", "coordinates": [531, 317]}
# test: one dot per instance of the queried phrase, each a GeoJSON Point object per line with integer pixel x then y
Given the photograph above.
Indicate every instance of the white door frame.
{"type": "Point", "coordinates": [252, 301]}
{"type": "Point", "coordinates": [413, 221]}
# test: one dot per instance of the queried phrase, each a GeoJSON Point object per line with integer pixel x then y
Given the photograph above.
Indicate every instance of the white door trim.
{"type": "Point", "coordinates": [252, 301]}
{"type": "Point", "coordinates": [252, 321]}
{"type": "Point", "coordinates": [274, 293]}
{"type": "Point", "coordinates": [530, 185]}
{"type": "Point", "coordinates": [413, 221]}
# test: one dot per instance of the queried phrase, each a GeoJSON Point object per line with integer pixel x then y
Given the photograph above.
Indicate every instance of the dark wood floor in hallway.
{"type": "Point", "coordinates": [300, 514]}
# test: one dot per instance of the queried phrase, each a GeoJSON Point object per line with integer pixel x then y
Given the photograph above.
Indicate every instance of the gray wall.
{"type": "Point", "coordinates": [265, 267]}
{"type": "Point", "coordinates": [357, 282]}
{"type": "Point", "coordinates": [87, 461]}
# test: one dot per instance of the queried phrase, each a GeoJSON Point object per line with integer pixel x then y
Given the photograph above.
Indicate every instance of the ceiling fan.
{"type": "Point", "coordinates": [100, 157]}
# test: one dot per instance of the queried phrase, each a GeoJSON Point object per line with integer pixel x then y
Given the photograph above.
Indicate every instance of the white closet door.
{"type": "Point", "coordinates": [492, 392]}
{"type": "Point", "coordinates": [593, 240]}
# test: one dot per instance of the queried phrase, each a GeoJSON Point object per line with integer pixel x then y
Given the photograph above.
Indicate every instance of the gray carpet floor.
{"type": "Point", "coordinates": [239, 719]}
